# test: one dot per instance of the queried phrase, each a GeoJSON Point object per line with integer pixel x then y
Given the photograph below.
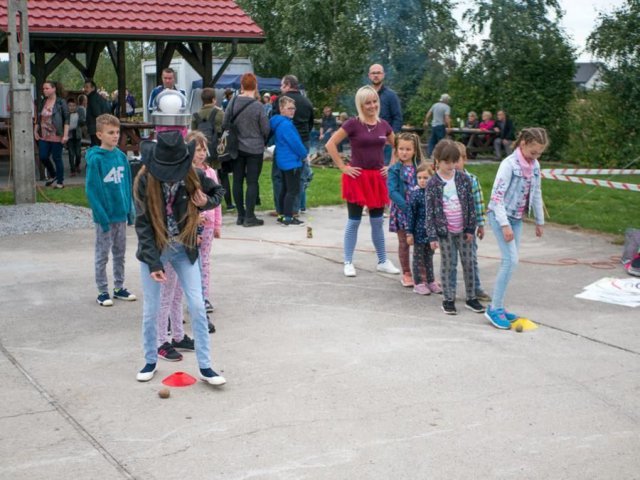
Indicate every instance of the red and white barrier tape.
{"type": "Point", "coordinates": [553, 174]}
{"type": "Point", "coordinates": [591, 171]}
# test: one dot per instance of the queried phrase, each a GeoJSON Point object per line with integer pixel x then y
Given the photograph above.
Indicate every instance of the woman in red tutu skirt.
{"type": "Point", "coordinates": [364, 182]}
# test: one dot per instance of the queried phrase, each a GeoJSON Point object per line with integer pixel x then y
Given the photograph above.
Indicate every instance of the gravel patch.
{"type": "Point", "coordinates": [42, 217]}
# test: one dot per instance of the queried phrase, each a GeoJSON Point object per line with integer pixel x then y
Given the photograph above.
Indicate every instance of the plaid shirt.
{"type": "Point", "coordinates": [478, 199]}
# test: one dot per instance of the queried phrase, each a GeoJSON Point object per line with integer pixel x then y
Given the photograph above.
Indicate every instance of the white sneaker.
{"type": "Point", "coordinates": [212, 378]}
{"type": "Point", "coordinates": [349, 270]}
{"type": "Point", "coordinates": [387, 267]}
{"type": "Point", "coordinates": [146, 373]}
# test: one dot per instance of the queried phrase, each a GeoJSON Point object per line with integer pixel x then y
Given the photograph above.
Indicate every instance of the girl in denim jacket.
{"type": "Point", "coordinates": [401, 181]}
{"type": "Point", "coordinates": [515, 189]}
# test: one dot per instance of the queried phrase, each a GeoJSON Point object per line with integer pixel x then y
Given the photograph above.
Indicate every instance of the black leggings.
{"type": "Point", "coordinates": [355, 211]}
{"type": "Point", "coordinates": [248, 166]}
{"type": "Point", "coordinates": [290, 190]}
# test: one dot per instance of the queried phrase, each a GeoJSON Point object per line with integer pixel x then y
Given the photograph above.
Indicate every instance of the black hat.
{"type": "Point", "coordinates": [168, 159]}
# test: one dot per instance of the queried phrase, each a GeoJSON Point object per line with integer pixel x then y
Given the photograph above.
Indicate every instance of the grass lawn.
{"type": "Point", "coordinates": [594, 208]}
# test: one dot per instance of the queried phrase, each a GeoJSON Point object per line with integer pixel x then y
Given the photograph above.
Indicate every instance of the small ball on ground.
{"type": "Point", "coordinates": [519, 328]}
{"type": "Point", "coordinates": [164, 393]}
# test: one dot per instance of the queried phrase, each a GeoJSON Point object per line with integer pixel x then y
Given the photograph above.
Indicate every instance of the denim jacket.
{"type": "Point", "coordinates": [436, 218]}
{"type": "Point", "coordinates": [506, 195]}
{"type": "Point", "coordinates": [396, 186]}
{"type": "Point", "coordinates": [59, 115]}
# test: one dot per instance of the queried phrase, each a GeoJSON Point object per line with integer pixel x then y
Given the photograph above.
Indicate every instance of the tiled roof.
{"type": "Point", "coordinates": [167, 19]}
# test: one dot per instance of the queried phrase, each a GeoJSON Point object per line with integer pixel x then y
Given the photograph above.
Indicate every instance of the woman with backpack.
{"type": "Point", "coordinates": [208, 120]}
{"type": "Point", "coordinates": [248, 127]}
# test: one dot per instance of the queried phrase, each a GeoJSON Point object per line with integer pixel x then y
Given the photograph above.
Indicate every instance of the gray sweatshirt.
{"type": "Point", "coordinates": [252, 123]}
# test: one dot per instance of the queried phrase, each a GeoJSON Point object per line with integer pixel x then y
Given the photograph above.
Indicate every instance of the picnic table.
{"type": "Point", "coordinates": [476, 139]}
{"type": "Point", "coordinates": [131, 134]}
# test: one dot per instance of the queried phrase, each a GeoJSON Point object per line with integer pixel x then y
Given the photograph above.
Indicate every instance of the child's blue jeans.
{"type": "Point", "coordinates": [191, 283]}
{"type": "Point", "coordinates": [509, 252]}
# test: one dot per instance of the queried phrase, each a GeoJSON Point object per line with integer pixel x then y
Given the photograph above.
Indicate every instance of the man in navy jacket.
{"type": "Point", "coordinates": [390, 109]}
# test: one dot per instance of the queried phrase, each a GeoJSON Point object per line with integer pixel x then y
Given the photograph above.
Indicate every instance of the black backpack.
{"type": "Point", "coordinates": [208, 128]}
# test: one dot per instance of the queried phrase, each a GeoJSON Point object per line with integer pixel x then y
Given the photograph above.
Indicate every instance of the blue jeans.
{"type": "Point", "coordinates": [509, 252]}
{"type": "Point", "coordinates": [437, 134]}
{"type": "Point", "coordinates": [305, 179]}
{"type": "Point", "coordinates": [191, 283]}
{"type": "Point", "coordinates": [52, 149]}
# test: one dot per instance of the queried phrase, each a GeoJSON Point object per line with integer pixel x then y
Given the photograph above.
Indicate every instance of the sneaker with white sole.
{"type": "Point", "coordinates": [124, 294]}
{"type": "Point", "coordinates": [387, 267]}
{"type": "Point", "coordinates": [497, 318]}
{"type": "Point", "coordinates": [104, 300]}
{"type": "Point", "coordinates": [211, 377]}
{"type": "Point", "coordinates": [208, 306]}
{"type": "Point", "coordinates": [349, 270]}
{"type": "Point", "coordinates": [167, 352]}
{"type": "Point", "coordinates": [186, 343]}
{"type": "Point", "coordinates": [146, 373]}
{"type": "Point", "coordinates": [434, 287]}
{"type": "Point", "coordinates": [449, 308]}
{"type": "Point", "coordinates": [474, 305]}
{"type": "Point", "coordinates": [421, 289]}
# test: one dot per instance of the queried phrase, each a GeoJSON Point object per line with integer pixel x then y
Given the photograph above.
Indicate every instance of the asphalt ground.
{"type": "Point", "coordinates": [328, 377]}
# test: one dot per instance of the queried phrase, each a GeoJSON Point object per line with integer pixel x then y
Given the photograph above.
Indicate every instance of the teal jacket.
{"type": "Point", "coordinates": [108, 187]}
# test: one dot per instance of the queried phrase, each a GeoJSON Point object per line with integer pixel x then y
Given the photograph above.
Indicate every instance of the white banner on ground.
{"type": "Point", "coordinates": [619, 291]}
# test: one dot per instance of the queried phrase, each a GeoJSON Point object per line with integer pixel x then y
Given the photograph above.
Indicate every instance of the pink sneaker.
{"type": "Point", "coordinates": [434, 287]}
{"type": "Point", "coordinates": [407, 280]}
{"type": "Point", "coordinates": [421, 289]}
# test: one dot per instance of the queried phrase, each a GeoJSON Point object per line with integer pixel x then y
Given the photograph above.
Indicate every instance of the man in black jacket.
{"type": "Point", "coordinates": [505, 137]}
{"type": "Point", "coordinates": [96, 106]}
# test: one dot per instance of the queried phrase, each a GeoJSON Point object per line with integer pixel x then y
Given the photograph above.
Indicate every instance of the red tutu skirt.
{"type": "Point", "coordinates": [369, 189]}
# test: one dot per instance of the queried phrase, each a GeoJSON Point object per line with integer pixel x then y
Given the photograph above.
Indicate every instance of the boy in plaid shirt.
{"type": "Point", "coordinates": [478, 201]}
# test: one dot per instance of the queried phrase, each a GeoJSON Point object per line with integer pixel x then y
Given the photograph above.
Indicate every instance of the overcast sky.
{"type": "Point", "coordinates": [579, 19]}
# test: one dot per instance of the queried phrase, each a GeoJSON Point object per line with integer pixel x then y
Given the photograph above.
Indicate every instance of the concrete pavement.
{"type": "Point", "coordinates": [328, 377]}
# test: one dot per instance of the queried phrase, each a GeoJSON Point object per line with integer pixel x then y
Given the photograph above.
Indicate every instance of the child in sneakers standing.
{"type": "Point", "coordinates": [478, 200]}
{"type": "Point", "coordinates": [77, 120]}
{"type": "Point", "coordinates": [424, 279]}
{"type": "Point", "coordinates": [170, 194]}
{"type": "Point", "coordinates": [517, 187]}
{"type": "Point", "coordinates": [401, 180]}
{"type": "Point", "coordinates": [290, 154]}
{"type": "Point", "coordinates": [171, 293]}
{"type": "Point", "coordinates": [211, 220]}
{"type": "Point", "coordinates": [451, 223]}
{"type": "Point", "coordinates": [108, 187]}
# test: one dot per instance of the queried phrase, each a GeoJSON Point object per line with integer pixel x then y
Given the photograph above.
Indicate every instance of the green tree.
{"type": "Point", "coordinates": [323, 42]}
{"type": "Point", "coordinates": [415, 40]}
{"type": "Point", "coordinates": [616, 39]}
{"type": "Point", "coordinates": [525, 65]}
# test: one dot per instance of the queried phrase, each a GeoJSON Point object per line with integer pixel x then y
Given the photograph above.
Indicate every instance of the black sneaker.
{"type": "Point", "coordinates": [253, 222]}
{"type": "Point", "coordinates": [208, 306]}
{"type": "Point", "coordinates": [280, 219]}
{"type": "Point", "coordinates": [168, 353]}
{"type": "Point", "coordinates": [185, 344]}
{"type": "Point", "coordinates": [239, 220]}
{"type": "Point", "coordinates": [211, 326]}
{"type": "Point", "coordinates": [294, 221]}
{"type": "Point", "coordinates": [449, 308]}
{"type": "Point", "coordinates": [474, 305]}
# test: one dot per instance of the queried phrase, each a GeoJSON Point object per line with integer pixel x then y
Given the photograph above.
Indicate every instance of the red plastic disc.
{"type": "Point", "coordinates": [179, 379]}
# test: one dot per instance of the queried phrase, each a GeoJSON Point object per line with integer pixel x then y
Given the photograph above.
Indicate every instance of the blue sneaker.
{"type": "Point", "coordinates": [123, 294]}
{"type": "Point", "coordinates": [512, 317]}
{"type": "Point", "coordinates": [497, 318]}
